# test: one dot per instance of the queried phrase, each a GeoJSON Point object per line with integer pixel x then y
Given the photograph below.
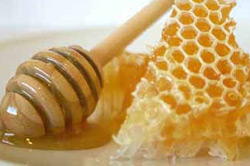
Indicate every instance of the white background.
{"type": "Point", "coordinates": [19, 16]}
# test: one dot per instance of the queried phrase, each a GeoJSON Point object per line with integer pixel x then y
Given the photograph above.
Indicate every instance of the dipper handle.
{"type": "Point", "coordinates": [117, 41]}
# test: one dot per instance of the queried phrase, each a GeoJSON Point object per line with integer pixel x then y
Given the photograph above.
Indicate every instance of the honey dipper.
{"type": "Point", "coordinates": [60, 87]}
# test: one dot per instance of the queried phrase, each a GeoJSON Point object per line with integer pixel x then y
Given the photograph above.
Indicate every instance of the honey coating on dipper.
{"type": "Point", "coordinates": [196, 92]}
{"type": "Point", "coordinates": [106, 120]}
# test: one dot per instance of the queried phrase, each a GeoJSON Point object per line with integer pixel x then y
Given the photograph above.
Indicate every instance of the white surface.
{"type": "Point", "coordinates": [66, 13]}
{"type": "Point", "coordinates": [15, 51]}
{"type": "Point", "coordinates": [18, 16]}
{"type": "Point", "coordinates": [75, 13]}
{"type": "Point", "coordinates": [26, 16]}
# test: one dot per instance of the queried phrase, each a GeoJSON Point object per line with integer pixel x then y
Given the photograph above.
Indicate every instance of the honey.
{"type": "Point", "coordinates": [81, 136]}
{"type": "Point", "coordinates": [191, 94]}
{"type": "Point", "coordinates": [99, 128]}
{"type": "Point", "coordinates": [119, 83]}
{"type": "Point", "coordinates": [206, 101]}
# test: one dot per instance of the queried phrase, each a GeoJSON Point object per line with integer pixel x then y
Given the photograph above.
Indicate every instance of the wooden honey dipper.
{"type": "Point", "coordinates": [61, 86]}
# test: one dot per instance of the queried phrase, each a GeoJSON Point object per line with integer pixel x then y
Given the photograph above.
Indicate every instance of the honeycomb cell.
{"type": "Point", "coordinates": [211, 74]}
{"type": "Point", "coordinates": [178, 56]}
{"type": "Point", "coordinates": [232, 41]}
{"type": "Point", "coordinates": [205, 40]}
{"type": "Point", "coordinates": [240, 75]}
{"type": "Point", "coordinates": [201, 99]}
{"type": "Point", "coordinates": [190, 47]}
{"type": "Point", "coordinates": [242, 91]}
{"type": "Point", "coordinates": [197, 82]}
{"type": "Point", "coordinates": [162, 65]}
{"type": "Point", "coordinates": [179, 73]}
{"type": "Point", "coordinates": [186, 18]}
{"type": "Point", "coordinates": [174, 13]}
{"type": "Point", "coordinates": [245, 59]}
{"type": "Point", "coordinates": [194, 65]}
{"type": "Point", "coordinates": [200, 11]}
{"type": "Point", "coordinates": [189, 32]}
{"type": "Point", "coordinates": [216, 18]}
{"type": "Point", "coordinates": [222, 49]}
{"type": "Point", "coordinates": [224, 67]}
{"type": "Point", "coordinates": [225, 10]}
{"type": "Point", "coordinates": [236, 58]}
{"type": "Point", "coordinates": [207, 56]}
{"type": "Point", "coordinates": [183, 108]}
{"type": "Point", "coordinates": [169, 99]}
{"type": "Point", "coordinates": [160, 51]}
{"type": "Point", "coordinates": [203, 25]}
{"type": "Point", "coordinates": [219, 33]}
{"type": "Point", "coordinates": [229, 25]}
{"type": "Point", "coordinates": [171, 29]}
{"type": "Point", "coordinates": [184, 5]}
{"type": "Point", "coordinates": [233, 99]}
{"type": "Point", "coordinates": [185, 89]}
{"type": "Point", "coordinates": [163, 84]}
{"type": "Point", "coordinates": [198, 1]}
{"type": "Point", "coordinates": [229, 82]}
{"type": "Point", "coordinates": [174, 41]}
{"type": "Point", "coordinates": [212, 5]}
{"type": "Point", "coordinates": [214, 90]}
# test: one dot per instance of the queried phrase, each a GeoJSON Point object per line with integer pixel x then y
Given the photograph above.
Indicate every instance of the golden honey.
{"type": "Point", "coordinates": [81, 136]}
{"type": "Point", "coordinates": [206, 99]}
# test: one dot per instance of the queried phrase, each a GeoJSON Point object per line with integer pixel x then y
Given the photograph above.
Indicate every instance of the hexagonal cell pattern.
{"type": "Point", "coordinates": [171, 29]}
{"type": "Point", "coordinates": [205, 40]}
{"type": "Point", "coordinates": [189, 32]}
{"type": "Point", "coordinates": [207, 56]}
{"type": "Point", "coordinates": [212, 5]}
{"type": "Point", "coordinates": [203, 24]}
{"type": "Point", "coordinates": [206, 75]}
{"type": "Point", "coordinates": [194, 65]}
{"type": "Point", "coordinates": [178, 56]}
{"type": "Point", "coordinates": [184, 5]}
{"type": "Point", "coordinates": [200, 11]}
{"type": "Point", "coordinates": [202, 49]}
{"type": "Point", "coordinates": [219, 33]}
{"type": "Point", "coordinates": [186, 18]}
{"type": "Point", "coordinates": [202, 53]}
{"type": "Point", "coordinates": [190, 47]}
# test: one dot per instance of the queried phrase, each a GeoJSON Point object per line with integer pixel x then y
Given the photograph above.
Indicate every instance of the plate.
{"type": "Point", "coordinates": [15, 51]}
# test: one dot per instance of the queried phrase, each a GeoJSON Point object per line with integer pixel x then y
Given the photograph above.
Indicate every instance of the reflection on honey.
{"type": "Point", "coordinates": [82, 136]}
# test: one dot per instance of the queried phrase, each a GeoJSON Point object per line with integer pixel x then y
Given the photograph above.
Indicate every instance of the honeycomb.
{"type": "Point", "coordinates": [195, 92]}
{"type": "Point", "coordinates": [118, 85]}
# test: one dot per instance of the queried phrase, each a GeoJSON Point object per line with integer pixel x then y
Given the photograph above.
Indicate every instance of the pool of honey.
{"type": "Point", "coordinates": [82, 136]}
